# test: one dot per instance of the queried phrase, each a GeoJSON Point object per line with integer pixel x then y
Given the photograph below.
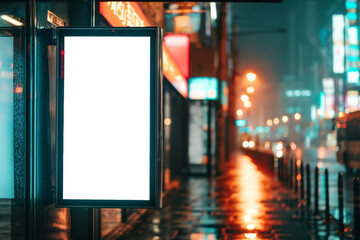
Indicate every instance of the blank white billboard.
{"type": "Point", "coordinates": [106, 136]}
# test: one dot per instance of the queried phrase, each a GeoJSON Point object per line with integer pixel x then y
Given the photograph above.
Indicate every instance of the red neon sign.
{"type": "Point", "coordinates": [179, 47]}
{"type": "Point", "coordinates": [122, 14]}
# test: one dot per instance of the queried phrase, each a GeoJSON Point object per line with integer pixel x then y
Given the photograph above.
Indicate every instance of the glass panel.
{"type": "Point", "coordinates": [12, 121]}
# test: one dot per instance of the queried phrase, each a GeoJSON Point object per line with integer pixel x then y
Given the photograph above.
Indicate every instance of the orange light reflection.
{"type": "Point", "coordinates": [250, 235]}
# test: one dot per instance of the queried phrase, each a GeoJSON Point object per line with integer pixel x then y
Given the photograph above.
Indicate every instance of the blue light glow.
{"type": "Point", "coordinates": [240, 122]}
{"type": "Point", "coordinates": [351, 16]}
{"type": "Point", "coordinates": [248, 129]}
{"type": "Point", "coordinates": [322, 105]}
{"type": "Point", "coordinates": [267, 129]}
{"type": "Point", "coordinates": [203, 88]}
{"type": "Point", "coordinates": [259, 129]}
{"type": "Point", "coordinates": [351, 5]}
{"type": "Point", "coordinates": [353, 58]}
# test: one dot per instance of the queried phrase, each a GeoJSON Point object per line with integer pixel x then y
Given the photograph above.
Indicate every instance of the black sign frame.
{"type": "Point", "coordinates": [156, 117]}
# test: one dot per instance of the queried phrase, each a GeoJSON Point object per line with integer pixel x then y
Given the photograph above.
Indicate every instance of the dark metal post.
{"type": "Point", "coordinates": [327, 205]}
{"type": "Point", "coordinates": [341, 202]}
{"type": "Point", "coordinates": [291, 174]}
{"type": "Point", "coordinates": [124, 215]}
{"type": "Point", "coordinates": [356, 208]}
{"type": "Point", "coordinates": [295, 177]}
{"type": "Point", "coordinates": [308, 187]}
{"type": "Point", "coordinates": [302, 182]}
{"type": "Point", "coordinates": [279, 169]}
{"type": "Point", "coordinates": [316, 191]}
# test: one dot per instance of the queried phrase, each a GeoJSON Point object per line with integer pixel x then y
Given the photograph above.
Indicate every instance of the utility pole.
{"type": "Point", "coordinates": [222, 76]}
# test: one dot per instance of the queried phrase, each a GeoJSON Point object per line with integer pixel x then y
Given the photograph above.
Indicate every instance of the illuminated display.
{"type": "Point", "coordinates": [123, 14]}
{"type": "Point", "coordinates": [352, 101]}
{"type": "Point", "coordinates": [178, 46]}
{"type": "Point", "coordinates": [298, 93]}
{"type": "Point", "coordinates": [240, 123]}
{"type": "Point", "coordinates": [338, 43]}
{"type": "Point", "coordinates": [203, 88]}
{"type": "Point", "coordinates": [109, 108]}
{"type": "Point", "coordinates": [6, 119]}
{"type": "Point", "coordinates": [329, 97]}
{"type": "Point", "coordinates": [352, 41]}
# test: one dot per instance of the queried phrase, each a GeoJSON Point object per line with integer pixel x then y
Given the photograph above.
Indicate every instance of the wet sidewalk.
{"type": "Point", "coordinates": [243, 203]}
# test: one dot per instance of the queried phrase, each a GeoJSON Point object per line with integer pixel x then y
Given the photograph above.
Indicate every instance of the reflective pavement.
{"type": "Point", "coordinates": [243, 203]}
{"type": "Point", "coordinates": [325, 158]}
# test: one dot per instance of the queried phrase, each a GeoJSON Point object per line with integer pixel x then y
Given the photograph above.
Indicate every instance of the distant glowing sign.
{"type": "Point", "coordinates": [240, 122]}
{"type": "Point", "coordinates": [329, 98]}
{"type": "Point", "coordinates": [352, 101]}
{"type": "Point", "coordinates": [298, 93]}
{"type": "Point", "coordinates": [203, 88]}
{"type": "Point", "coordinates": [178, 46]}
{"type": "Point", "coordinates": [352, 41]}
{"type": "Point", "coordinates": [338, 43]}
{"type": "Point", "coordinates": [123, 14]}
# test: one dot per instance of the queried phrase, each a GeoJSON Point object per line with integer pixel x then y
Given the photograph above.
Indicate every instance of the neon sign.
{"type": "Point", "coordinates": [129, 14]}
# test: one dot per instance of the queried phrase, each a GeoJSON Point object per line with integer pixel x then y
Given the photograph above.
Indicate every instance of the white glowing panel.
{"type": "Point", "coordinates": [106, 138]}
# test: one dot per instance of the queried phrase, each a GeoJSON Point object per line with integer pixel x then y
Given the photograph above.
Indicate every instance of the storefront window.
{"type": "Point", "coordinates": [12, 121]}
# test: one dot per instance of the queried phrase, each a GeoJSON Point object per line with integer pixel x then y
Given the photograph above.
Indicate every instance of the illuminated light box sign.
{"type": "Point", "coordinates": [109, 117]}
{"type": "Point", "coordinates": [203, 88]}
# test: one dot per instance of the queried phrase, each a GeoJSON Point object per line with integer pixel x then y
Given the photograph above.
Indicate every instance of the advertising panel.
{"type": "Point", "coordinates": [203, 88]}
{"type": "Point", "coordinates": [109, 117]}
{"type": "Point", "coordinates": [338, 43]}
{"type": "Point", "coordinates": [352, 41]}
{"type": "Point", "coordinates": [352, 101]}
{"type": "Point", "coordinates": [329, 98]}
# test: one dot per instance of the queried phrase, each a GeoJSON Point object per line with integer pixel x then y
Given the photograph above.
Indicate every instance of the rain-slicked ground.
{"type": "Point", "coordinates": [325, 158]}
{"type": "Point", "coordinates": [243, 203]}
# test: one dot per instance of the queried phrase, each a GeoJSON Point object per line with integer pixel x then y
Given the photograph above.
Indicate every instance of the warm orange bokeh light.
{"type": "Point", "coordinates": [297, 116]}
{"type": "Point", "coordinates": [239, 112]}
{"type": "Point", "coordinates": [269, 122]}
{"type": "Point", "coordinates": [251, 76]}
{"type": "Point", "coordinates": [250, 235]}
{"type": "Point", "coordinates": [285, 119]}
{"type": "Point", "coordinates": [341, 114]}
{"type": "Point", "coordinates": [244, 98]}
{"type": "Point", "coordinates": [250, 227]}
{"type": "Point", "coordinates": [167, 121]}
{"type": "Point", "coordinates": [18, 89]}
{"type": "Point", "coordinates": [250, 90]}
{"type": "Point", "coordinates": [247, 104]}
{"type": "Point", "coordinates": [276, 121]}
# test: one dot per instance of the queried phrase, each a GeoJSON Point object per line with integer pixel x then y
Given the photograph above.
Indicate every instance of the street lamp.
{"type": "Point", "coordinates": [285, 119]}
{"type": "Point", "coordinates": [251, 76]}
{"type": "Point", "coordinates": [297, 116]}
{"type": "Point", "coordinates": [244, 98]}
{"type": "Point", "coordinates": [276, 121]}
{"type": "Point", "coordinates": [250, 90]}
{"type": "Point", "coordinates": [247, 104]}
{"type": "Point", "coordinates": [240, 113]}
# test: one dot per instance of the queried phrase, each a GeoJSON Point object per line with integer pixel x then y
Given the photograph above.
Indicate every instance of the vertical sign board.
{"type": "Point", "coordinates": [109, 117]}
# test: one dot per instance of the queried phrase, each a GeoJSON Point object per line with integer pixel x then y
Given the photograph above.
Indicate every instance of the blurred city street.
{"type": "Point", "coordinates": [243, 203]}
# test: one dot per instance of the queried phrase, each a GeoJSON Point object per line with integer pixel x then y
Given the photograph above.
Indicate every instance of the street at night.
{"type": "Point", "coordinates": [179, 120]}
